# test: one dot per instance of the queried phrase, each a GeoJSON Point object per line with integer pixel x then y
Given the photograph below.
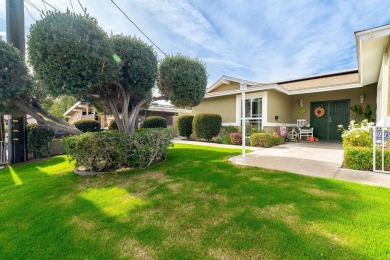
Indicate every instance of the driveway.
{"type": "Point", "coordinates": [319, 159]}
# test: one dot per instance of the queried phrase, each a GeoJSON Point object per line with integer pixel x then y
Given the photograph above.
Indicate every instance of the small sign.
{"type": "Point", "coordinates": [243, 87]}
{"type": "Point", "coordinates": [377, 136]}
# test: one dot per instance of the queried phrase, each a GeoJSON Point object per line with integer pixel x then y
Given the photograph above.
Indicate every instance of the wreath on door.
{"type": "Point", "coordinates": [319, 112]}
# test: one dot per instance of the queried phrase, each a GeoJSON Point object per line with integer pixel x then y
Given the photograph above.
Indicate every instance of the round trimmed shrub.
{"type": "Point", "coordinates": [206, 126]}
{"type": "Point", "coordinates": [87, 125]}
{"type": "Point", "coordinates": [154, 122]}
{"type": "Point", "coordinates": [39, 139]}
{"type": "Point", "coordinates": [184, 125]}
{"type": "Point", "coordinates": [262, 140]}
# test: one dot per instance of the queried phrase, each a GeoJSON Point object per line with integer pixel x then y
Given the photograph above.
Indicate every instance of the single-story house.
{"type": "Point", "coordinates": [80, 111]}
{"type": "Point", "coordinates": [323, 100]}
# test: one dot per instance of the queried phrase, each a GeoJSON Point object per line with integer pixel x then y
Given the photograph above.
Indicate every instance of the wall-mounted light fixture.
{"type": "Point", "coordinates": [300, 102]}
{"type": "Point", "coordinates": [276, 118]}
{"type": "Point", "coordinates": [362, 98]}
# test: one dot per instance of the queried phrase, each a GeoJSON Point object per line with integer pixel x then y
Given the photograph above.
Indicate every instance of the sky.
{"type": "Point", "coordinates": [257, 40]}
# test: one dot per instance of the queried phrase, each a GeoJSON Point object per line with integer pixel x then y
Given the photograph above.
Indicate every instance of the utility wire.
{"type": "Point", "coordinates": [139, 29]}
{"type": "Point", "coordinates": [71, 5]}
{"type": "Point", "coordinates": [192, 54]}
{"type": "Point", "coordinates": [84, 10]}
{"type": "Point", "coordinates": [34, 6]}
{"type": "Point", "coordinates": [50, 5]}
{"type": "Point", "coordinates": [30, 13]}
{"type": "Point", "coordinates": [43, 2]}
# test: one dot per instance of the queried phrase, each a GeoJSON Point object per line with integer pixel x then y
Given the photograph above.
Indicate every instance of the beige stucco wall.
{"type": "Point", "coordinates": [279, 104]}
{"type": "Point", "coordinates": [224, 106]}
{"type": "Point", "coordinates": [351, 94]}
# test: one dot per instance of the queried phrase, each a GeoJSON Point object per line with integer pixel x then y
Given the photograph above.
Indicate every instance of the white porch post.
{"type": "Point", "coordinates": [243, 88]}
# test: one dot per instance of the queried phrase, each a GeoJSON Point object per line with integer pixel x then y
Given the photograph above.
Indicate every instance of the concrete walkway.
{"type": "Point", "coordinates": [322, 159]}
{"type": "Point", "coordinates": [319, 159]}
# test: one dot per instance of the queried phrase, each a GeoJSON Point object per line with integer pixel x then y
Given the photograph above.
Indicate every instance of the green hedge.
{"type": "Point", "coordinates": [109, 150]}
{"type": "Point", "coordinates": [154, 122]}
{"type": "Point", "coordinates": [39, 140]}
{"type": "Point", "coordinates": [361, 158]}
{"type": "Point", "coordinates": [206, 126]}
{"type": "Point", "coordinates": [262, 140]}
{"type": "Point", "coordinates": [86, 126]}
{"type": "Point", "coordinates": [184, 125]}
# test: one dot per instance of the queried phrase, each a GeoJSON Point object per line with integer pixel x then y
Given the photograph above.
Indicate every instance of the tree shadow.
{"type": "Point", "coordinates": [197, 205]}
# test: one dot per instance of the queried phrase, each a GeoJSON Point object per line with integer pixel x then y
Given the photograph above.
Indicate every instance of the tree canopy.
{"type": "Point", "coordinates": [183, 80]}
{"type": "Point", "coordinates": [14, 79]}
{"type": "Point", "coordinates": [72, 55]}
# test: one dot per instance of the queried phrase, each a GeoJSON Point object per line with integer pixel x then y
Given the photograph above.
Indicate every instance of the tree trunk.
{"type": "Point", "coordinates": [36, 113]}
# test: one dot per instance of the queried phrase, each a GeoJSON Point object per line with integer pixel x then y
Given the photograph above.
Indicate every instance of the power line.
{"type": "Point", "coordinates": [34, 6]}
{"type": "Point", "coordinates": [85, 10]}
{"type": "Point", "coordinates": [139, 29]}
{"type": "Point", "coordinates": [30, 13]}
{"type": "Point", "coordinates": [71, 5]}
{"type": "Point", "coordinates": [43, 2]}
{"type": "Point", "coordinates": [50, 5]}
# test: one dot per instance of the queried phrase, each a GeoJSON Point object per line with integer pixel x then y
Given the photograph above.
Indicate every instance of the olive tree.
{"type": "Point", "coordinates": [19, 93]}
{"type": "Point", "coordinates": [72, 55]}
{"type": "Point", "coordinates": [182, 80]}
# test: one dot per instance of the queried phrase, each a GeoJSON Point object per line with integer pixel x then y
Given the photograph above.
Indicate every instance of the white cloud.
{"type": "Point", "coordinates": [256, 40]}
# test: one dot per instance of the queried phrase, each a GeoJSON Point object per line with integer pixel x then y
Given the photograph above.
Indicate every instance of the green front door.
{"type": "Point", "coordinates": [336, 113]}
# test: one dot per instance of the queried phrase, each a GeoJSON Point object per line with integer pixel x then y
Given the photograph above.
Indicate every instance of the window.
{"type": "Point", "coordinates": [253, 113]}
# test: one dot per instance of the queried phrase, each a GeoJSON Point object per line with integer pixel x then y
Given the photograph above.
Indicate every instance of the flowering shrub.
{"type": "Point", "coordinates": [357, 134]}
{"type": "Point", "coordinates": [235, 138]}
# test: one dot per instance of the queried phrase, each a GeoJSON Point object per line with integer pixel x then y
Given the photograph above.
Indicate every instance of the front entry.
{"type": "Point", "coordinates": [326, 126]}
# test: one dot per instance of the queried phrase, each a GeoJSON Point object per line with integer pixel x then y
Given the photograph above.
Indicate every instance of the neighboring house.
{"type": "Point", "coordinates": [284, 102]}
{"type": "Point", "coordinates": [81, 111]}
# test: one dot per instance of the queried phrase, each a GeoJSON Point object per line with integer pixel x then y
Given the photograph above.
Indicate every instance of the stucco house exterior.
{"type": "Point", "coordinates": [284, 102]}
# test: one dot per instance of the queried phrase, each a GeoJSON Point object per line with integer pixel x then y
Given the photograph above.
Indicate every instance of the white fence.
{"type": "Point", "coordinates": [381, 149]}
{"type": "Point", "coordinates": [2, 153]}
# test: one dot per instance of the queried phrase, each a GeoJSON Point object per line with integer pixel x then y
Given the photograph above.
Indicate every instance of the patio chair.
{"type": "Point", "coordinates": [303, 129]}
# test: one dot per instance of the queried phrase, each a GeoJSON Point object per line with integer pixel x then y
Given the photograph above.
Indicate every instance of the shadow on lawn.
{"type": "Point", "coordinates": [193, 205]}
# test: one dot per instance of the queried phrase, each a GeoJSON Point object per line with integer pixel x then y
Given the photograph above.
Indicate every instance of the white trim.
{"type": "Point", "coordinates": [283, 90]}
{"type": "Point", "coordinates": [229, 124]}
{"type": "Point", "coordinates": [226, 80]}
{"type": "Point", "coordinates": [361, 36]}
{"type": "Point", "coordinates": [250, 89]}
{"type": "Point", "coordinates": [279, 124]}
{"type": "Point", "coordinates": [71, 109]}
{"type": "Point", "coordinates": [374, 32]}
{"type": "Point", "coordinates": [263, 95]}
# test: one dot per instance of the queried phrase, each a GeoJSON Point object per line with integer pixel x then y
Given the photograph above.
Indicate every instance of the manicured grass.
{"type": "Point", "coordinates": [194, 205]}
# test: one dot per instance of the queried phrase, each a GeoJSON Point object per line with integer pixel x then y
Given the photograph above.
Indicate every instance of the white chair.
{"type": "Point", "coordinates": [304, 132]}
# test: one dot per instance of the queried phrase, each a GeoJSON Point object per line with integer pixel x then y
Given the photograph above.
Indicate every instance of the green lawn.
{"type": "Point", "coordinates": [194, 205]}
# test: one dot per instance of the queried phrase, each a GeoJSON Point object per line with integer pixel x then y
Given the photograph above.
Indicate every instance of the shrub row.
{"type": "Point", "coordinates": [184, 125]}
{"type": "Point", "coordinates": [265, 140]}
{"type": "Point", "coordinates": [86, 126]}
{"type": "Point", "coordinates": [206, 126]}
{"type": "Point", "coordinates": [149, 122]}
{"type": "Point", "coordinates": [109, 150]}
{"type": "Point", "coordinates": [361, 158]}
{"type": "Point", "coordinates": [154, 122]}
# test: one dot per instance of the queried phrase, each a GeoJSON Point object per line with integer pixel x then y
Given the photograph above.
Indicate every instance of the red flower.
{"type": "Point", "coordinates": [362, 108]}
